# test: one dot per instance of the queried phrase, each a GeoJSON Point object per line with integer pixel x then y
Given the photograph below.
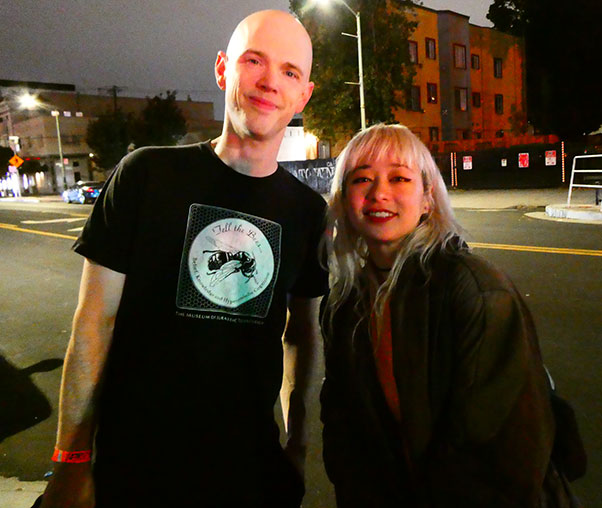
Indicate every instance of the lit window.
{"type": "Point", "coordinates": [431, 93]}
{"type": "Point", "coordinates": [434, 133]}
{"type": "Point", "coordinates": [413, 48]}
{"type": "Point", "coordinates": [459, 56]}
{"type": "Point", "coordinates": [462, 99]}
{"type": "Point", "coordinates": [431, 48]}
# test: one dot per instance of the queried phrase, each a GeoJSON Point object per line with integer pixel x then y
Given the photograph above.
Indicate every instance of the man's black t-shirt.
{"type": "Point", "coordinates": [195, 364]}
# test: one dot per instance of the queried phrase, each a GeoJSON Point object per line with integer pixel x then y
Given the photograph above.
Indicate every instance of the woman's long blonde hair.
{"type": "Point", "coordinates": [348, 252]}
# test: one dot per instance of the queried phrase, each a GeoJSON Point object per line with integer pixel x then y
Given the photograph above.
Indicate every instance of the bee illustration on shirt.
{"type": "Point", "coordinates": [227, 260]}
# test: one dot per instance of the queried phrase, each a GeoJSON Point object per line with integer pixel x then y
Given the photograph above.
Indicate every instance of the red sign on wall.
{"type": "Point", "coordinates": [550, 157]}
{"type": "Point", "coordinates": [523, 160]}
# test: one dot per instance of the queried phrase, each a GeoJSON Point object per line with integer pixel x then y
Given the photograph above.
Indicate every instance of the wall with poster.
{"type": "Point", "coordinates": [316, 173]}
{"type": "Point", "coordinates": [516, 167]}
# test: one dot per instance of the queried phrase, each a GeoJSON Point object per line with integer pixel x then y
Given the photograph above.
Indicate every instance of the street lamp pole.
{"type": "Point", "coordinates": [360, 65]}
{"type": "Point", "coordinates": [55, 114]}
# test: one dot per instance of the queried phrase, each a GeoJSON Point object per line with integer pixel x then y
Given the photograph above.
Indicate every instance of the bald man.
{"type": "Point", "coordinates": [181, 342]}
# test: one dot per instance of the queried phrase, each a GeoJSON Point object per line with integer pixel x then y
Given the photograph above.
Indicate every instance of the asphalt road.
{"type": "Point", "coordinates": [556, 266]}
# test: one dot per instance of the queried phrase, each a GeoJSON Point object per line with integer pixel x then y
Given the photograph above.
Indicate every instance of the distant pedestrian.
{"type": "Point", "coordinates": [435, 394]}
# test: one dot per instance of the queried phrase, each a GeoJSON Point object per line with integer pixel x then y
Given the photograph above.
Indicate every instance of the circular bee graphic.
{"type": "Point", "coordinates": [231, 262]}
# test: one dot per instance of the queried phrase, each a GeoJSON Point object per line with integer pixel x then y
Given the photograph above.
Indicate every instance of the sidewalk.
{"type": "Point", "coordinates": [517, 198]}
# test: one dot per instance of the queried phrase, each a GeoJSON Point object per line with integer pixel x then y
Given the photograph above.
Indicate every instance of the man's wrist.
{"type": "Point", "coordinates": [72, 457]}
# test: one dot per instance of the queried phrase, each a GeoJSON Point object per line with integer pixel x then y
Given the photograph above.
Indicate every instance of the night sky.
{"type": "Point", "coordinates": [143, 46]}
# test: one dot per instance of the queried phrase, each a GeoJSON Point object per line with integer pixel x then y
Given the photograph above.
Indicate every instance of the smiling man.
{"type": "Point", "coordinates": [177, 354]}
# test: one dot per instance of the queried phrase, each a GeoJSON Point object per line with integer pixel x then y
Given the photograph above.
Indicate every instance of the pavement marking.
{"type": "Point", "coordinates": [12, 227]}
{"type": "Point", "coordinates": [530, 248]}
{"type": "Point", "coordinates": [476, 245]}
{"type": "Point", "coordinates": [53, 221]}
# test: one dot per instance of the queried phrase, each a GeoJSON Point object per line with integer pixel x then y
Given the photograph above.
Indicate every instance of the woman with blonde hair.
{"type": "Point", "coordinates": [435, 394]}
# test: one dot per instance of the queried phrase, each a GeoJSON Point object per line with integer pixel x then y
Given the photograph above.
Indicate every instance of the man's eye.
{"type": "Point", "coordinates": [292, 74]}
{"type": "Point", "coordinates": [253, 61]}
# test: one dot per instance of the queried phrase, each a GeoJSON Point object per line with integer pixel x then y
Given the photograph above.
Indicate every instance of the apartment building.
{"type": "Point", "coordinates": [469, 83]}
{"type": "Point", "coordinates": [33, 134]}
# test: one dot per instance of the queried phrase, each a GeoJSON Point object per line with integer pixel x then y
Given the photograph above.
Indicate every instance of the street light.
{"type": "Point", "coordinates": [55, 114]}
{"type": "Point", "coordinates": [360, 65]}
{"type": "Point", "coordinates": [28, 101]}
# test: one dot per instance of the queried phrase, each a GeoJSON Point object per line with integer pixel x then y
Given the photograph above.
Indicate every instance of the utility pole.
{"type": "Point", "coordinates": [113, 90]}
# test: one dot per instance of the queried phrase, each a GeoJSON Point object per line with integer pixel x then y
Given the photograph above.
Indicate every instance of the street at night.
{"type": "Point", "coordinates": [560, 283]}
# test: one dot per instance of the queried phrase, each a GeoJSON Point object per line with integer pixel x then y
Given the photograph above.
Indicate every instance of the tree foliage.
{"type": "Point", "coordinates": [563, 58]}
{"type": "Point", "coordinates": [5, 155]}
{"type": "Point", "coordinates": [160, 123]}
{"type": "Point", "coordinates": [334, 110]}
{"type": "Point", "coordinates": [109, 137]}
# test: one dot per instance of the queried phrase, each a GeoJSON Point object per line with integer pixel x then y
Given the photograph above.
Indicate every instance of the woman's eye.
{"type": "Point", "coordinates": [400, 179]}
{"type": "Point", "coordinates": [360, 179]}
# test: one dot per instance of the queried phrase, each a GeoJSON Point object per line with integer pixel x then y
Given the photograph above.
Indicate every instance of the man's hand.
{"type": "Point", "coordinates": [71, 486]}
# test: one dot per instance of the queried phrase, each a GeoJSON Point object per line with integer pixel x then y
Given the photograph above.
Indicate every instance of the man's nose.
{"type": "Point", "coordinates": [267, 80]}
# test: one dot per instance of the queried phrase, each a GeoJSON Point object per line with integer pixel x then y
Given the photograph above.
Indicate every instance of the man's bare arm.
{"type": "Point", "coordinates": [300, 343]}
{"type": "Point", "coordinates": [99, 296]}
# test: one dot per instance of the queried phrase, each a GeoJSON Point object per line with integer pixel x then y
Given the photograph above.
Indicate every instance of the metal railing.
{"type": "Point", "coordinates": [573, 171]}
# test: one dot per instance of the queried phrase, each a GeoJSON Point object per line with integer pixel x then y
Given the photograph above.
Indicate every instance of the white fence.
{"type": "Point", "coordinates": [573, 171]}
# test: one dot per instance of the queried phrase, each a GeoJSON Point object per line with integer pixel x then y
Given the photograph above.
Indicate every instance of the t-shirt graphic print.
{"type": "Point", "coordinates": [229, 263]}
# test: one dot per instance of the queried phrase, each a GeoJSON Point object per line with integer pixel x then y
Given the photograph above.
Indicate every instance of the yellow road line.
{"type": "Point", "coordinates": [476, 245]}
{"type": "Point", "coordinates": [12, 227]}
{"type": "Point", "coordinates": [529, 248]}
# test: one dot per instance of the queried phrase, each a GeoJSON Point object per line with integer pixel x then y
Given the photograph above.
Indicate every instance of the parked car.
{"type": "Point", "coordinates": [82, 192]}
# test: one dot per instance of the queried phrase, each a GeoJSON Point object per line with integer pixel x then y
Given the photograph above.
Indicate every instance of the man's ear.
{"type": "Point", "coordinates": [305, 96]}
{"type": "Point", "coordinates": [220, 70]}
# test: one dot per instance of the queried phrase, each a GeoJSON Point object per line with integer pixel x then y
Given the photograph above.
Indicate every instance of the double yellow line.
{"type": "Point", "coordinates": [474, 245]}
{"type": "Point", "coordinates": [529, 248]}
{"type": "Point", "coordinates": [12, 227]}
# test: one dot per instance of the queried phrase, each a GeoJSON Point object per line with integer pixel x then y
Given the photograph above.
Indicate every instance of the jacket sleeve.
{"type": "Point", "coordinates": [339, 446]}
{"type": "Point", "coordinates": [496, 438]}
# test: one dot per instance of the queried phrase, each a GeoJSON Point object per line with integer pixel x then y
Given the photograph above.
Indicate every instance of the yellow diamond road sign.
{"type": "Point", "coordinates": [15, 161]}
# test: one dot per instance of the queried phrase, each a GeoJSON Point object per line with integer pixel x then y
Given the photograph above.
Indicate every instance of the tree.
{"type": "Point", "coordinates": [333, 111]}
{"type": "Point", "coordinates": [5, 155]}
{"type": "Point", "coordinates": [563, 57]}
{"type": "Point", "coordinates": [109, 137]}
{"type": "Point", "coordinates": [160, 123]}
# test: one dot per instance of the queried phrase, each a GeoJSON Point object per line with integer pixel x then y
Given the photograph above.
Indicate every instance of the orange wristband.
{"type": "Point", "coordinates": [73, 457]}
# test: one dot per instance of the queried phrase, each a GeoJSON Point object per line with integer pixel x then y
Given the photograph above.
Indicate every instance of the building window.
{"type": "Point", "coordinates": [478, 134]}
{"type": "Point", "coordinates": [413, 45]}
{"type": "Point", "coordinates": [462, 99]}
{"type": "Point", "coordinates": [499, 134]}
{"type": "Point", "coordinates": [476, 99]}
{"type": "Point", "coordinates": [497, 67]}
{"type": "Point", "coordinates": [499, 104]}
{"type": "Point", "coordinates": [431, 48]}
{"type": "Point", "coordinates": [434, 133]}
{"type": "Point", "coordinates": [459, 56]}
{"type": "Point", "coordinates": [475, 62]}
{"type": "Point", "coordinates": [415, 99]}
{"type": "Point", "coordinates": [431, 93]}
